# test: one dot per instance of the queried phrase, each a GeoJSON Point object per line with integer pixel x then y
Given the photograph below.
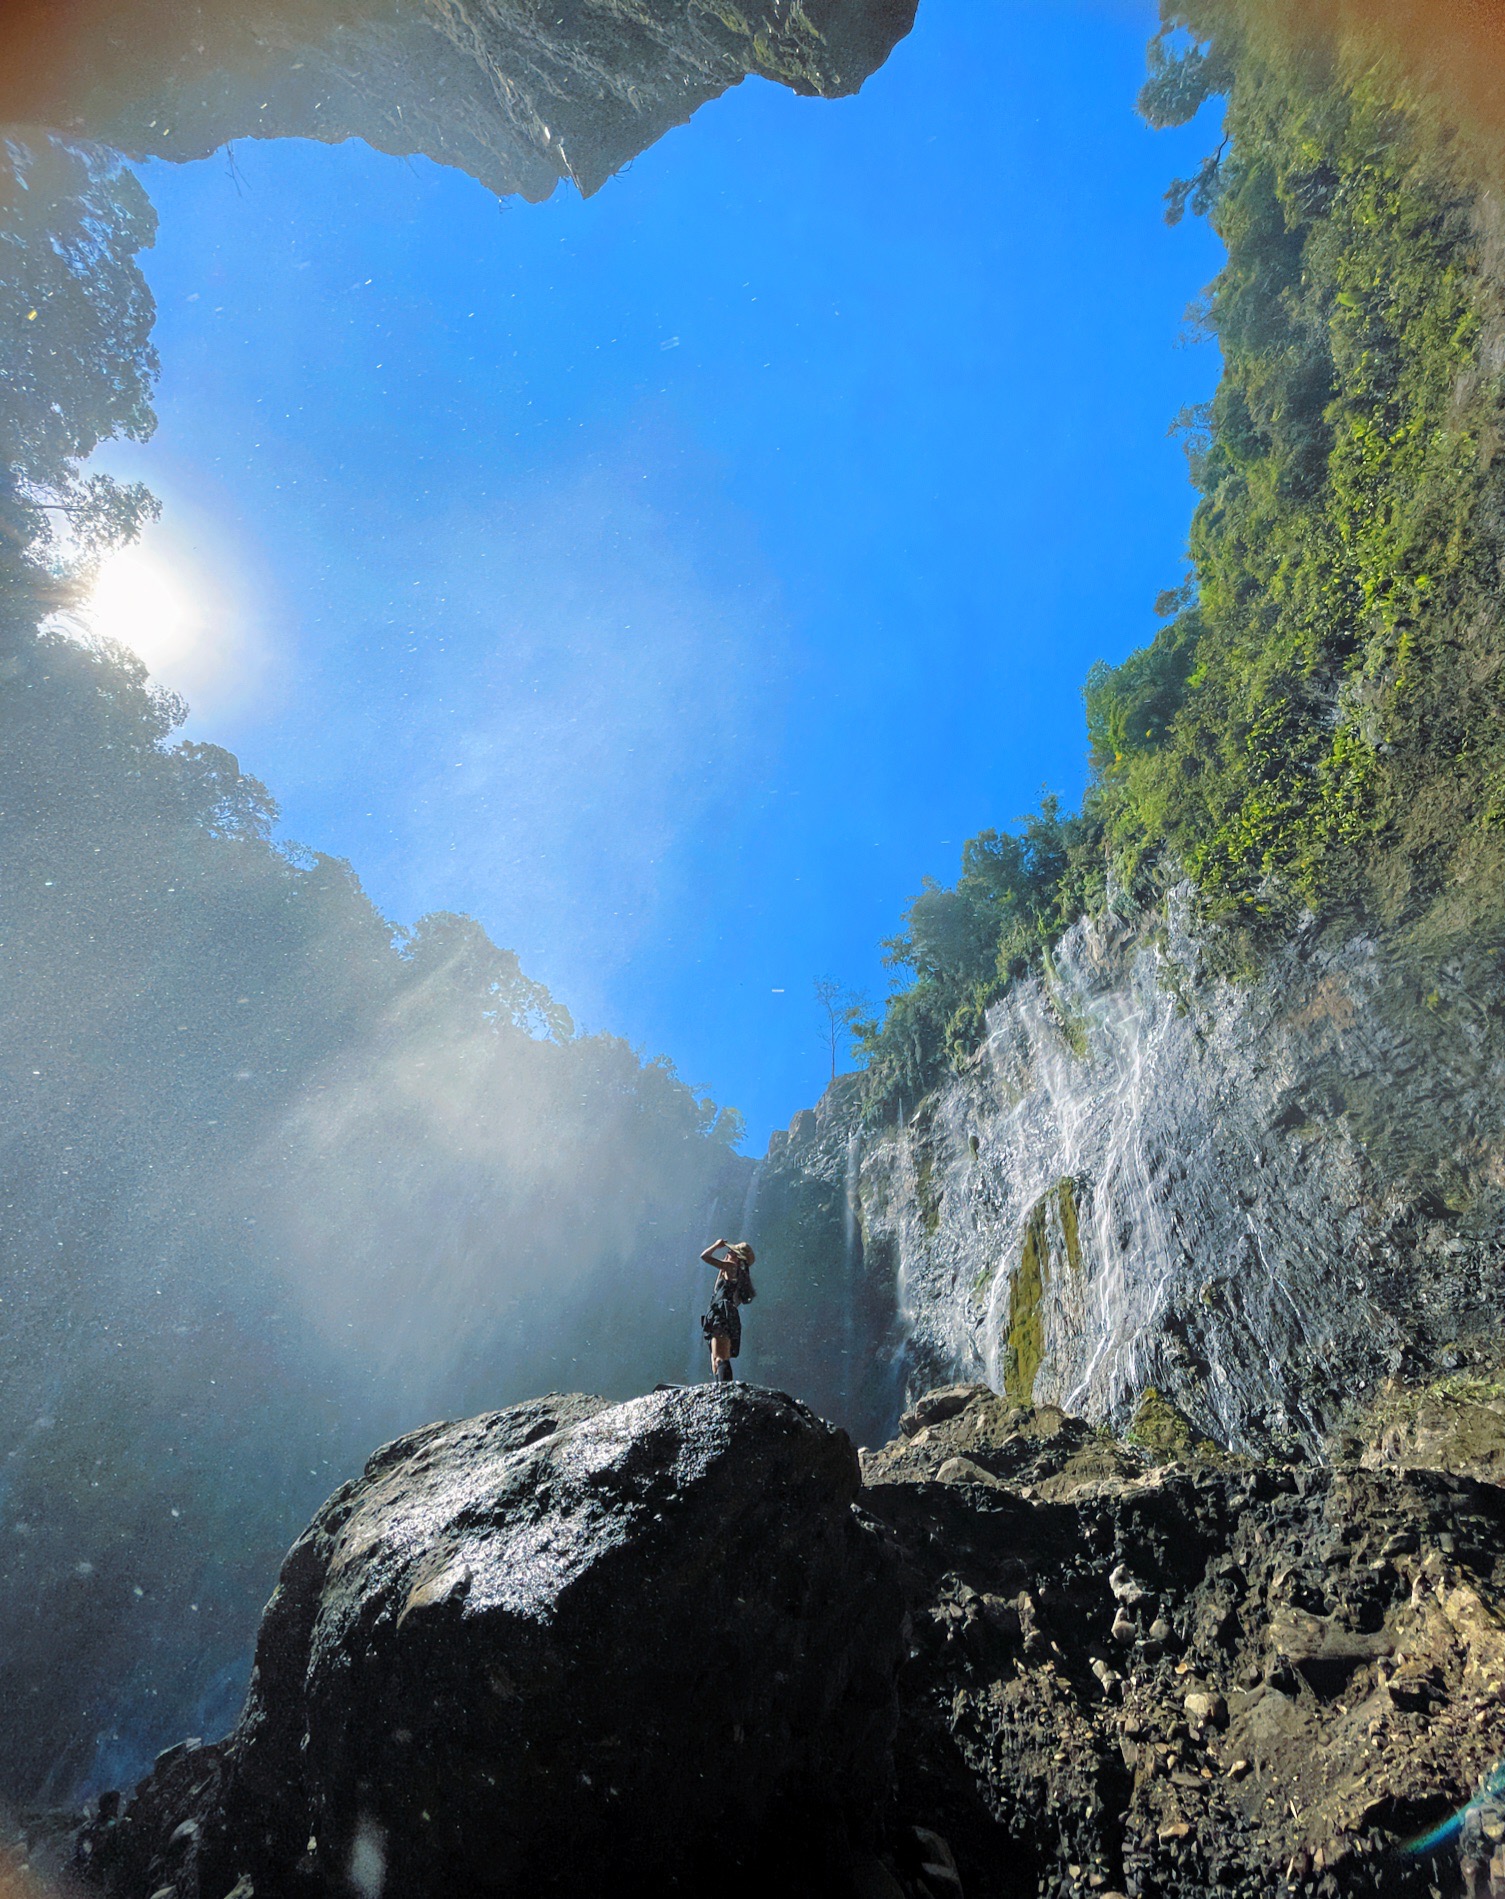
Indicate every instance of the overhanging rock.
{"type": "Point", "coordinates": [519, 93]}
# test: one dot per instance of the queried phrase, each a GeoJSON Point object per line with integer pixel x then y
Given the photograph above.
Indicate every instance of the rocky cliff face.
{"type": "Point", "coordinates": [671, 1646]}
{"type": "Point", "coordinates": [517, 94]}
{"type": "Point", "coordinates": [1262, 1197]}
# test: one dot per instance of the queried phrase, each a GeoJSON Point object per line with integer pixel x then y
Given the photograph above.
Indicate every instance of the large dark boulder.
{"type": "Point", "coordinates": [561, 1648]}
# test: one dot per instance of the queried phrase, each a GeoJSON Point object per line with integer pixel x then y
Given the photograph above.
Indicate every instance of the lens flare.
{"type": "Point", "coordinates": [1489, 1793]}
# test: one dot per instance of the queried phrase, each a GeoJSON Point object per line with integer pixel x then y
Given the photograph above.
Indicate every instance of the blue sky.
{"type": "Point", "coordinates": [673, 579]}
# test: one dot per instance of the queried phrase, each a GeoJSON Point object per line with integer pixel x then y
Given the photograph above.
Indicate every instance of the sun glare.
{"type": "Point", "coordinates": [187, 626]}
{"type": "Point", "coordinates": [148, 605]}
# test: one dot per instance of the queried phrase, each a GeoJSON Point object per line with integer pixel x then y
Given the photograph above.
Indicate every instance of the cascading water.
{"type": "Point", "coordinates": [851, 1233]}
{"type": "Point", "coordinates": [1153, 1177]}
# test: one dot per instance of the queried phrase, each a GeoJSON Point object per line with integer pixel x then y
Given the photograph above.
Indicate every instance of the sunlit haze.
{"type": "Point", "coordinates": [626, 538]}
{"type": "Point", "coordinates": [662, 657]}
{"type": "Point", "coordinates": [183, 617]}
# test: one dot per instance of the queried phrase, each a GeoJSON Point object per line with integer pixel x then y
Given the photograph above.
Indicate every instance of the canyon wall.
{"type": "Point", "coordinates": [1261, 1196]}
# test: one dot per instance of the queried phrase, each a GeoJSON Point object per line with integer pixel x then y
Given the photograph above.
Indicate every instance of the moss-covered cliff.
{"type": "Point", "coordinates": [1318, 730]}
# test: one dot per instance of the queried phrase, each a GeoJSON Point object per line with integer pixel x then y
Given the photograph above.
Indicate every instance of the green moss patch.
{"type": "Point", "coordinates": [1066, 1210]}
{"type": "Point", "coordinates": [1026, 1342]}
{"type": "Point", "coordinates": [1162, 1428]}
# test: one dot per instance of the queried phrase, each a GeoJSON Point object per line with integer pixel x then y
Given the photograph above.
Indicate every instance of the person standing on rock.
{"type": "Point", "coordinates": [722, 1325]}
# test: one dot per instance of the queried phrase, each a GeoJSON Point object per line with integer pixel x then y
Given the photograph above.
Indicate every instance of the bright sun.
{"type": "Point", "coordinates": [178, 607]}
{"type": "Point", "coordinates": [146, 604]}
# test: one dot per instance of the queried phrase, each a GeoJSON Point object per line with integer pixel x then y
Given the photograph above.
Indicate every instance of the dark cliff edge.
{"type": "Point", "coordinates": [519, 96]}
{"type": "Point", "coordinates": [573, 1645]}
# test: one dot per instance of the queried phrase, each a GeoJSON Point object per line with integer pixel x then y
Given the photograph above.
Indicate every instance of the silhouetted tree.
{"type": "Point", "coordinates": [77, 315]}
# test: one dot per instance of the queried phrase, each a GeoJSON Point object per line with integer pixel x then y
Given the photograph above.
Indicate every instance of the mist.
{"type": "Point", "coordinates": [280, 1178]}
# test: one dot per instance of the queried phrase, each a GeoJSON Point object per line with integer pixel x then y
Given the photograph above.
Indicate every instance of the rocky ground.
{"type": "Point", "coordinates": [1145, 1668]}
{"type": "Point", "coordinates": [574, 1646]}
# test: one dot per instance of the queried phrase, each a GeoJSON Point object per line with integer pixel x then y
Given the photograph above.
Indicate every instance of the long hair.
{"type": "Point", "coordinates": [743, 1254]}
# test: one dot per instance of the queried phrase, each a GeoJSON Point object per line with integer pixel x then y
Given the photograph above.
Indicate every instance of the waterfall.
{"type": "Point", "coordinates": [750, 1201]}
{"type": "Point", "coordinates": [851, 1223]}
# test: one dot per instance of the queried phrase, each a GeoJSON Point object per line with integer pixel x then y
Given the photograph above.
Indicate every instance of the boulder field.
{"type": "Point", "coordinates": [691, 1643]}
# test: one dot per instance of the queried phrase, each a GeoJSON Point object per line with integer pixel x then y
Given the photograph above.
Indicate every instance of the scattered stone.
{"type": "Point", "coordinates": [965, 1470]}
{"type": "Point", "coordinates": [939, 1405]}
{"type": "Point", "coordinates": [1202, 1705]}
{"type": "Point", "coordinates": [1127, 1588]}
{"type": "Point", "coordinates": [1273, 1732]}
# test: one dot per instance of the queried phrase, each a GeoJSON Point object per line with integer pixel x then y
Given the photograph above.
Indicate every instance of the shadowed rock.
{"type": "Point", "coordinates": [1164, 1679]}
{"type": "Point", "coordinates": [518, 95]}
{"type": "Point", "coordinates": [1124, 1675]}
{"type": "Point", "coordinates": [567, 1647]}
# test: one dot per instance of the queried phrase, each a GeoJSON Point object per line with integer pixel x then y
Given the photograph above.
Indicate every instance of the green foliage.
{"type": "Point", "coordinates": [1321, 730]}
{"type": "Point", "coordinates": [1318, 727]}
{"type": "Point", "coordinates": [80, 367]}
{"type": "Point", "coordinates": [963, 945]}
{"type": "Point", "coordinates": [1184, 73]}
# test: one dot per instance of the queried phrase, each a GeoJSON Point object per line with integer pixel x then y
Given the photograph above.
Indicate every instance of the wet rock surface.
{"type": "Point", "coordinates": [520, 96]}
{"type": "Point", "coordinates": [1263, 1195]}
{"type": "Point", "coordinates": [573, 1645]}
{"type": "Point", "coordinates": [1135, 1676]}
{"type": "Point", "coordinates": [560, 1648]}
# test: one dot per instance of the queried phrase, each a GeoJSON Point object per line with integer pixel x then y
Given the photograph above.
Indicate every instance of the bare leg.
{"type": "Point", "coordinates": [721, 1359]}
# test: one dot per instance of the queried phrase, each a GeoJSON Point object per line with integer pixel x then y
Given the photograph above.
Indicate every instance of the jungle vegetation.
{"type": "Point", "coordinates": [277, 1176]}
{"type": "Point", "coordinates": [1318, 729]}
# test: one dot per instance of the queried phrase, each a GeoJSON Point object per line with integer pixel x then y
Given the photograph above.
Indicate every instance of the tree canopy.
{"type": "Point", "coordinates": [1317, 728]}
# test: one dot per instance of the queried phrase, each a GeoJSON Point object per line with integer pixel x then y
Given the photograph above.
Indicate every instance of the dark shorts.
{"type": "Point", "coordinates": [723, 1321]}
